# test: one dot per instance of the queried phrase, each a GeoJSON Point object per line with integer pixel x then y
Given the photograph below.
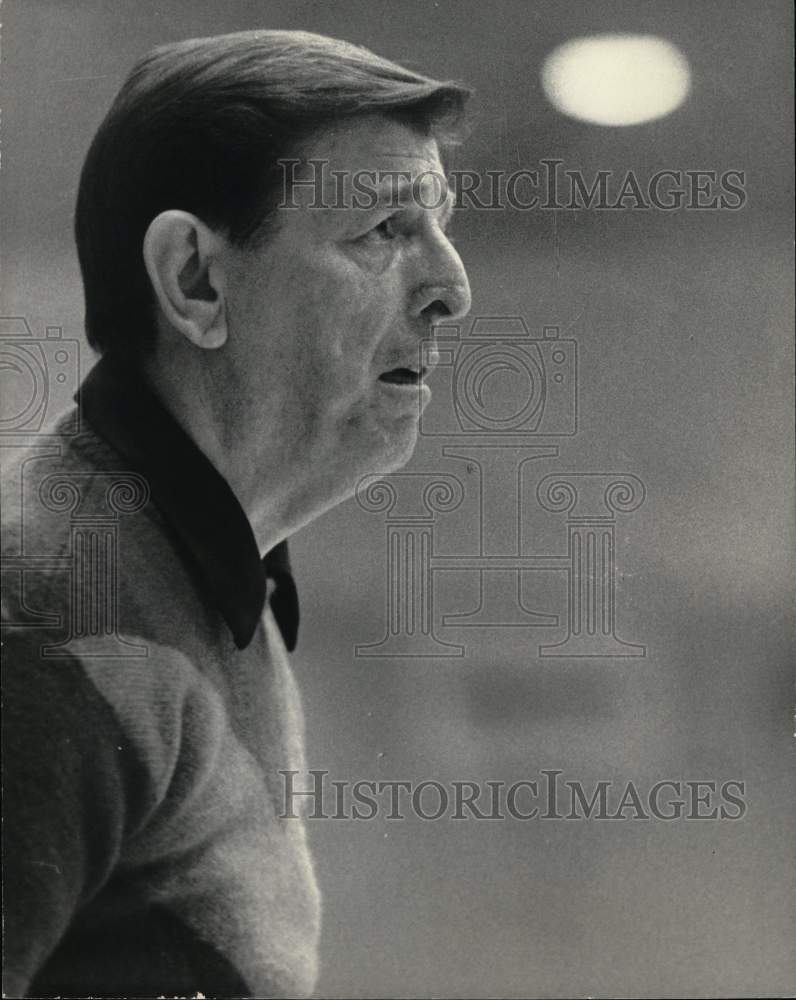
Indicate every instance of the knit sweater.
{"type": "Point", "coordinates": [148, 709]}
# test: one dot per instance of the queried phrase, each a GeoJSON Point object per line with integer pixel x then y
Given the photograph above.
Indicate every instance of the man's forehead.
{"type": "Point", "coordinates": [373, 142]}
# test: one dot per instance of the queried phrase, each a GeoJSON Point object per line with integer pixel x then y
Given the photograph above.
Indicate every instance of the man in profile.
{"type": "Point", "coordinates": [256, 362]}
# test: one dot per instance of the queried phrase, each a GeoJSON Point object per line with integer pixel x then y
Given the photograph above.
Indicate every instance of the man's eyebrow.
{"type": "Point", "coordinates": [394, 188]}
{"type": "Point", "coordinates": [398, 188]}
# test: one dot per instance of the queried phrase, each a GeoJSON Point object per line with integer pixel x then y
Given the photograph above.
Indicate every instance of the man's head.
{"type": "Point", "coordinates": [202, 125]}
{"type": "Point", "coordinates": [281, 319]}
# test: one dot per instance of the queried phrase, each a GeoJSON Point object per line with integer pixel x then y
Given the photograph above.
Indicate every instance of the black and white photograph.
{"type": "Point", "coordinates": [397, 451]}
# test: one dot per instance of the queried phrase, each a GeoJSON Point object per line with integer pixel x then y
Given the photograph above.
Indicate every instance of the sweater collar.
{"type": "Point", "coordinates": [194, 498]}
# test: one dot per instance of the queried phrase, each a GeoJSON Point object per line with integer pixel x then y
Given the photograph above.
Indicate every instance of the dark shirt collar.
{"type": "Point", "coordinates": [194, 498]}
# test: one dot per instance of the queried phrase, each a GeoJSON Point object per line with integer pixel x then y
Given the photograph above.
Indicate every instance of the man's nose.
{"type": "Point", "coordinates": [446, 293]}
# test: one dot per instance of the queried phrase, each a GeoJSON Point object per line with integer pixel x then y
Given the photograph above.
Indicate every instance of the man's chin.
{"type": "Point", "coordinates": [379, 453]}
{"type": "Point", "coordinates": [379, 467]}
{"type": "Point", "coordinates": [399, 453]}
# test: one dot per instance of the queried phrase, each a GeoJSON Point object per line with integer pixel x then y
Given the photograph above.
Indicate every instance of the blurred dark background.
{"type": "Point", "coordinates": [683, 323]}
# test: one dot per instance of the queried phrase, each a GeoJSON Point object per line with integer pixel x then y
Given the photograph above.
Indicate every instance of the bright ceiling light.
{"type": "Point", "coordinates": [616, 79]}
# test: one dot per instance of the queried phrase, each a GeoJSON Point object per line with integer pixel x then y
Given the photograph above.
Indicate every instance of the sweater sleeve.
{"type": "Point", "coordinates": [72, 787]}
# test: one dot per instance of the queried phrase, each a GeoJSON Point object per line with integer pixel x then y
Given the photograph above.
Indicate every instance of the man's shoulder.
{"type": "Point", "coordinates": [74, 510]}
{"type": "Point", "coordinates": [57, 481]}
{"type": "Point", "coordinates": [95, 596]}
{"type": "Point", "coordinates": [90, 565]}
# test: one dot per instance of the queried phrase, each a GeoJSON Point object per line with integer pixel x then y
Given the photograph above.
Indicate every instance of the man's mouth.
{"type": "Point", "coordinates": [404, 376]}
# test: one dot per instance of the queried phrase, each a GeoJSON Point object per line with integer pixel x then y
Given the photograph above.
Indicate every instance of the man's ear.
{"type": "Point", "coordinates": [181, 255]}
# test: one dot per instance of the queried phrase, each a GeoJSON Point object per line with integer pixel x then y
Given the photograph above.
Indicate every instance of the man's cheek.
{"type": "Point", "coordinates": [355, 326]}
{"type": "Point", "coordinates": [367, 272]}
{"type": "Point", "coordinates": [374, 259]}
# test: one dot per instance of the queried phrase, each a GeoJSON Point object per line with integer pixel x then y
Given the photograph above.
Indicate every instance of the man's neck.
{"type": "Point", "coordinates": [193, 395]}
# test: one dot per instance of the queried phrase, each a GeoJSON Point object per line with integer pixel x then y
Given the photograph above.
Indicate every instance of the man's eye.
{"type": "Point", "coordinates": [385, 230]}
